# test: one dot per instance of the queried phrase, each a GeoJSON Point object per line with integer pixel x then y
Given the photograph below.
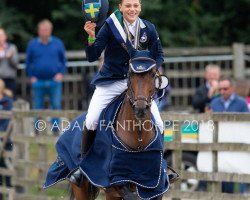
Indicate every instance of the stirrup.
{"type": "Point", "coordinates": [174, 176]}
{"type": "Point", "coordinates": [76, 177]}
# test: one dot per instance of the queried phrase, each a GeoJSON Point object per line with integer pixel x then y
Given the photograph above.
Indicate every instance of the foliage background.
{"type": "Point", "coordinates": [179, 22]}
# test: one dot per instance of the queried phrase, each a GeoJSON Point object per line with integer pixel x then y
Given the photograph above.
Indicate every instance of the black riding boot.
{"type": "Point", "coordinates": [88, 137]}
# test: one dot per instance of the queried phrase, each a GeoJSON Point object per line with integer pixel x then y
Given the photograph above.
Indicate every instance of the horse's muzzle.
{"type": "Point", "coordinates": [141, 108]}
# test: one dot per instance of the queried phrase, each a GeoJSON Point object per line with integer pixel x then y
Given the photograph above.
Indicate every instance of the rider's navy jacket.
{"type": "Point", "coordinates": [116, 58]}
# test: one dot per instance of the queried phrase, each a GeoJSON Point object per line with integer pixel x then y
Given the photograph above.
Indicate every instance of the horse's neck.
{"type": "Point", "coordinates": [129, 131]}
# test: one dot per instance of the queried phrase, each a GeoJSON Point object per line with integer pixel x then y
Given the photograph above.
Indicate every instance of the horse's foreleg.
{"type": "Point", "coordinates": [81, 193]}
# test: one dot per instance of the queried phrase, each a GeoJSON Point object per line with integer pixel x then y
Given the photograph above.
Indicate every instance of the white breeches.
{"type": "Point", "coordinates": [103, 95]}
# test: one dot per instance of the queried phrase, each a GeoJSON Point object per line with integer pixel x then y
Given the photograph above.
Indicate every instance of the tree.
{"type": "Point", "coordinates": [179, 22]}
{"type": "Point", "coordinates": [15, 24]}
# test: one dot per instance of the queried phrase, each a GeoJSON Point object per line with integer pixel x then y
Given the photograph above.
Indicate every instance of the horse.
{"type": "Point", "coordinates": [133, 125]}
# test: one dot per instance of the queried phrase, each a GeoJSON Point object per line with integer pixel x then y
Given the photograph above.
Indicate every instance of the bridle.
{"type": "Point", "coordinates": [133, 99]}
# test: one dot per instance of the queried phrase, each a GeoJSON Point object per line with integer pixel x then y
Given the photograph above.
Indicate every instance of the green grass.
{"type": "Point", "coordinates": [34, 172]}
{"type": "Point", "coordinates": [53, 192]}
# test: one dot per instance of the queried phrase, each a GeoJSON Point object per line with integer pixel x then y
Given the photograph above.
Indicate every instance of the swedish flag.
{"type": "Point", "coordinates": [92, 10]}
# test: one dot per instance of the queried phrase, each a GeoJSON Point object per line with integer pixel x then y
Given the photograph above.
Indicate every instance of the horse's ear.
{"type": "Point", "coordinates": [130, 48]}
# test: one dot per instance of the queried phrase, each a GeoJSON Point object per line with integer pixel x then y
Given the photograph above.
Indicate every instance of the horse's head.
{"type": "Point", "coordinates": [143, 77]}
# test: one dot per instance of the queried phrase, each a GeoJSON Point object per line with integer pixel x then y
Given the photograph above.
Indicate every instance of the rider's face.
{"type": "Point", "coordinates": [130, 9]}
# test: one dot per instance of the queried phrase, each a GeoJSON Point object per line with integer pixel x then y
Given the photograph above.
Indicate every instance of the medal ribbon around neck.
{"type": "Point", "coordinates": [137, 33]}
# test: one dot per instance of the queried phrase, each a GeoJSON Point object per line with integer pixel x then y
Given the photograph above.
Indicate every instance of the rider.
{"type": "Point", "coordinates": [112, 77]}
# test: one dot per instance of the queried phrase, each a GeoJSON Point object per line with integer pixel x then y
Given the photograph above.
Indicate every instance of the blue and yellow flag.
{"type": "Point", "coordinates": [92, 10]}
{"type": "Point", "coordinates": [95, 10]}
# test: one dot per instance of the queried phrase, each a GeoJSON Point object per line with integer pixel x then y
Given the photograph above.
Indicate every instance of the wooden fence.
{"type": "Point", "coordinates": [33, 154]}
{"type": "Point", "coordinates": [184, 67]}
{"type": "Point", "coordinates": [215, 178]}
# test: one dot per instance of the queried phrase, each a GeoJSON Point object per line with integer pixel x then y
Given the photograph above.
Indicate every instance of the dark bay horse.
{"type": "Point", "coordinates": [133, 125]}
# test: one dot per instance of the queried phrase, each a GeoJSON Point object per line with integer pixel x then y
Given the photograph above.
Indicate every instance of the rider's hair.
{"type": "Point", "coordinates": [120, 1]}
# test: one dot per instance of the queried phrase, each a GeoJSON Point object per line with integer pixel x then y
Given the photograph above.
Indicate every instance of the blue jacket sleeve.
{"type": "Point", "coordinates": [62, 57]}
{"type": "Point", "coordinates": [93, 52]}
{"type": "Point", "coordinates": [245, 108]}
{"type": "Point", "coordinates": [156, 48]}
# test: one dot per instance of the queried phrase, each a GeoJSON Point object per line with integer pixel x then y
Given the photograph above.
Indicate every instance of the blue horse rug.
{"type": "Point", "coordinates": [108, 162]}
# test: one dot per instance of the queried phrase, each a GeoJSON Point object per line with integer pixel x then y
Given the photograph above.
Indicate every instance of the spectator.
{"type": "Point", "coordinates": [207, 91]}
{"type": "Point", "coordinates": [228, 101]}
{"type": "Point", "coordinates": [5, 104]}
{"type": "Point", "coordinates": [45, 66]}
{"type": "Point", "coordinates": [8, 62]}
{"type": "Point", "coordinates": [203, 96]}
